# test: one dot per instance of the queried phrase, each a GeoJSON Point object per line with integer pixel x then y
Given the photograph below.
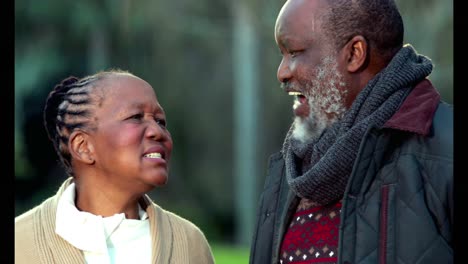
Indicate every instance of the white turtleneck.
{"type": "Point", "coordinates": [104, 240]}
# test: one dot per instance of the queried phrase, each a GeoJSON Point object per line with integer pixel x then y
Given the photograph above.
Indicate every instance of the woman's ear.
{"type": "Point", "coordinates": [81, 147]}
{"type": "Point", "coordinates": [356, 54]}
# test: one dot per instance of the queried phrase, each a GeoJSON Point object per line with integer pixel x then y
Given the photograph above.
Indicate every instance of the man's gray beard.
{"type": "Point", "coordinates": [308, 128]}
{"type": "Point", "coordinates": [327, 99]}
{"type": "Point", "coordinates": [312, 126]}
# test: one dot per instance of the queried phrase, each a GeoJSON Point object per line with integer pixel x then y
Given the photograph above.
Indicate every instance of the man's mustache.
{"type": "Point", "coordinates": [286, 86]}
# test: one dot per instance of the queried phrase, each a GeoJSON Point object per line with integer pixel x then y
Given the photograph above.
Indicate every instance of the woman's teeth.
{"type": "Point", "coordinates": [153, 155]}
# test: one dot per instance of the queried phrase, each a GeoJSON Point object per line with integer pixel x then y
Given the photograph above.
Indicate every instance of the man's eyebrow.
{"type": "Point", "coordinates": [285, 41]}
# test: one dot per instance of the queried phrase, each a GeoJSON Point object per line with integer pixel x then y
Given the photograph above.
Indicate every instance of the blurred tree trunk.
{"type": "Point", "coordinates": [429, 28]}
{"type": "Point", "coordinates": [98, 49]}
{"type": "Point", "coordinates": [245, 51]}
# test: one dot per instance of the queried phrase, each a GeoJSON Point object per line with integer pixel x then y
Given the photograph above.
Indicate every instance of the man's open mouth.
{"type": "Point", "coordinates": [299, 96]}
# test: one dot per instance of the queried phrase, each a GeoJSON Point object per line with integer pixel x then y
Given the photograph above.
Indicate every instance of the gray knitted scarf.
{"type": "Point", "coordinates": [319, 169]}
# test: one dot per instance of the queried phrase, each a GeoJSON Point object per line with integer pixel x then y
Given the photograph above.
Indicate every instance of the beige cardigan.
{"type": "Point", "coordinates": [174, 239]}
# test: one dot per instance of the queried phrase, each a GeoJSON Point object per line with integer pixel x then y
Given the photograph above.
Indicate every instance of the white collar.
{"type": "Point", "coordinates": [84, 230]}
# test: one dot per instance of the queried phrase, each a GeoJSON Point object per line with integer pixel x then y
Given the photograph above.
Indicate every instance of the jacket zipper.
{"type": "Point", "coordinates": [383, 225]}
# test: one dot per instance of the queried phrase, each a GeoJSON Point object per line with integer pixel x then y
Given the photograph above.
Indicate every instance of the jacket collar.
{"type": "Point", "coordinates": [417, 110]}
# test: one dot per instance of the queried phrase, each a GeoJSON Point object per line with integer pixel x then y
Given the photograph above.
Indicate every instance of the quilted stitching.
{"type": "Point", "coordinates": [409, 207]}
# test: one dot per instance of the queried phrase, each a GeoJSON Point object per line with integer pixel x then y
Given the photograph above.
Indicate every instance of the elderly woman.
{"type": "Point", "coordinates": [110, 133]}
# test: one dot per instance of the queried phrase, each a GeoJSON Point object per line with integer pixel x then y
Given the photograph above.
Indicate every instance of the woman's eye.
{"type": "Point", "coordinates": [137, 116]}
{"type": "Point", "coordinates": [161, 122]}
{"type": "Point", "coordinates": [294, 53]}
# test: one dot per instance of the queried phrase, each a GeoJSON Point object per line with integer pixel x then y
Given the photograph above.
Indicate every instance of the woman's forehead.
{"type": "Point", "coordinates": [123, 91]}
{"type": "Point", "coordinates": [122, 85]}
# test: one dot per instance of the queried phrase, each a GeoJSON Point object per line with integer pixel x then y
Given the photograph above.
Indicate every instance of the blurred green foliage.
{"type": "Point", "coordinates": [227, 254]}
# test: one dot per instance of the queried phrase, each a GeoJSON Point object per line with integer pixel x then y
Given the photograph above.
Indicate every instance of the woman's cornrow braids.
{"type": "Point", "coordinates": [68, 107]}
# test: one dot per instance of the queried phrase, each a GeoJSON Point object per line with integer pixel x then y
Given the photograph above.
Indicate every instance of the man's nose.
{"type": "Point", "coordinates": [284, 72]}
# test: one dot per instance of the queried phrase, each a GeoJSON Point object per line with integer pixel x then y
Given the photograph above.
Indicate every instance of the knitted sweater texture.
{"type": "Point", "coordinates": [174, 239]}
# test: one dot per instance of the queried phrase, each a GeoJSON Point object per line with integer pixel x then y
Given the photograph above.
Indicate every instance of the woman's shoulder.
{"type": "Point", "coordinates": [24, 222]}
{"type": "Point", "coordinates": [185, 230]}
{"type": "Point", "coordinates": [177, 220]}
{"type": "Point", "coordinates": [24, 226]}
{"type": "Point", "coordinates": [25, 250]}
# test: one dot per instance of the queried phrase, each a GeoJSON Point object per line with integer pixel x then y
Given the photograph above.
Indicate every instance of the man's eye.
{"type": "Point", "coordinates": [294, 53]}
{"type": "Point", "coordinates": [280, 53]}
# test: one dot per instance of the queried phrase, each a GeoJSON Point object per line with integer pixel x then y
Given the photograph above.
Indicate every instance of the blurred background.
{"type": "Point", "coordinates": [213, 66]}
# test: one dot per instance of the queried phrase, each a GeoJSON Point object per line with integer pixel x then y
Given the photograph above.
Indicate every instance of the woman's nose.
{"type": "Point", "coordinates": [155, 130]}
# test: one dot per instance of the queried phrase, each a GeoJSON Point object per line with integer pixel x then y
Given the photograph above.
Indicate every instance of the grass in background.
{"type": "Point", "coordinates": [227, 254]}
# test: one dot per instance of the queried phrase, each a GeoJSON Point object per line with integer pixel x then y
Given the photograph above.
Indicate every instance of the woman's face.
{"type": "Point", "coordinates": [131, 143]}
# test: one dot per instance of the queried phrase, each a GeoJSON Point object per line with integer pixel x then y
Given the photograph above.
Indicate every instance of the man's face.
{"type": "Point", "coordinates": [309, 69]}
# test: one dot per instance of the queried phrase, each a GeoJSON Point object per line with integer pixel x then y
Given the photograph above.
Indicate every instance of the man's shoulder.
{"type": "Point", "coordinates": [437, 141]}
{"type": "Point", "coordinates": [442, 129]}
{"type": "Point", "coordinates": [275, 157]}
{"type": "Point", "coordinates": [444, 113]}
{"type": "Point", "coordinates": [274, 172]}
{"type": "Point", "coordinates": [275, 163]}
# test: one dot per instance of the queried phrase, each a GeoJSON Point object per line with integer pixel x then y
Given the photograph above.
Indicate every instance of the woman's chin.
{"type": "Point", "coordinates": [156, 180]}
{"type": "Point", "coordinates": [160, 180]}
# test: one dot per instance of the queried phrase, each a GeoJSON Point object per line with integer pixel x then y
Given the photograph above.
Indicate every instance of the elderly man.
{"type": "Point", "coordinates": [365, 174]}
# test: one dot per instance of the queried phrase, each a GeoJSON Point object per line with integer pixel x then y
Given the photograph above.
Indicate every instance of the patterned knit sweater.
{"type": "Point", "coordinates": [174, 239]}
{"type": "Point", "coordinates": [312, 235]}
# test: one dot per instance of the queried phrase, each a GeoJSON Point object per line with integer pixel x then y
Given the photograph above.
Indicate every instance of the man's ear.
{"type": "Point", "coordinates": [81, 147]}
{"type": "Point", "coordinates": [356, 54]}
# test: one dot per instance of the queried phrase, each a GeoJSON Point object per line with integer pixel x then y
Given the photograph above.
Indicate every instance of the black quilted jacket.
{"type": "Point", "coordinates": [398, 205]}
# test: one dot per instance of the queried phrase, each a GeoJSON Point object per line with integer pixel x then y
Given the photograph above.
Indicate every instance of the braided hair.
{"type": "Point", "coordinates": [70, 106]}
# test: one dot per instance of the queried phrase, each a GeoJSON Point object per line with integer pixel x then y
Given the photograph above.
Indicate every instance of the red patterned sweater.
{"type": "Point", "coordinates": [312, 236]}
